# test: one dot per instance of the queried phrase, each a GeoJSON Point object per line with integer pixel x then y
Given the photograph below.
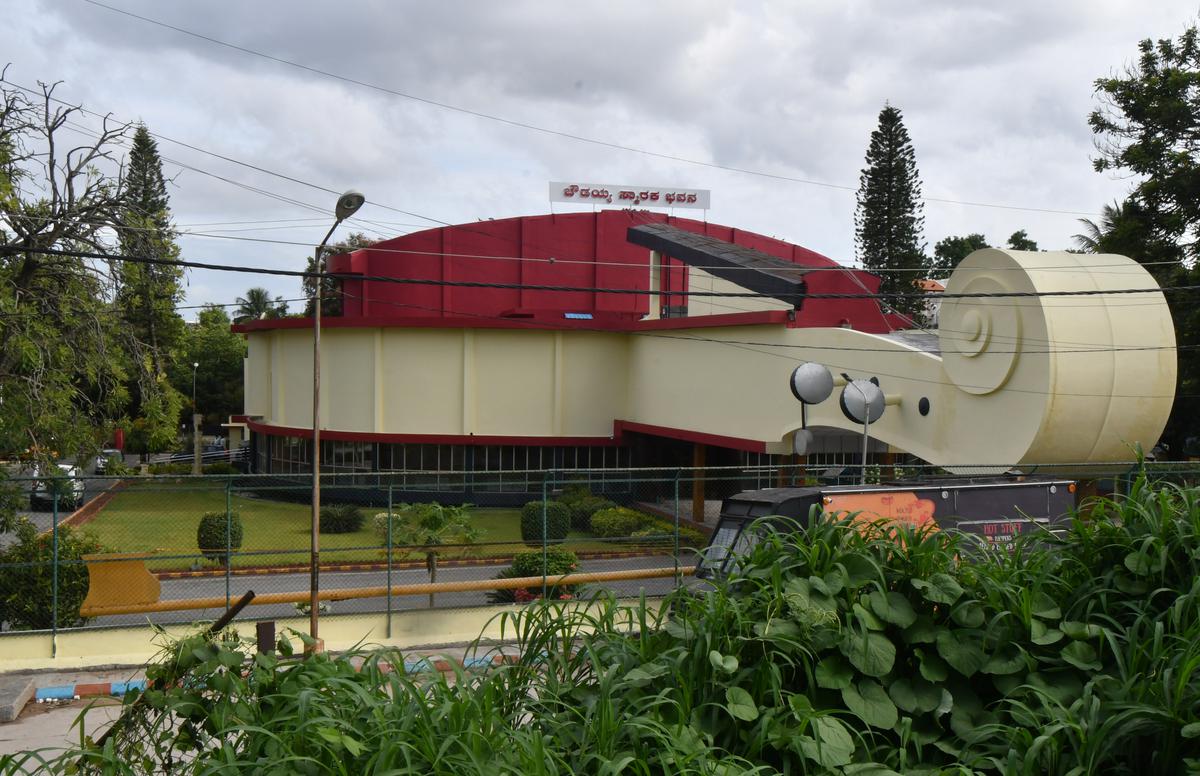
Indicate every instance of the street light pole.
{"type": "Point", "coordinates": [347, 205]}
{"type": "Point", "coordinates": [196, 469]}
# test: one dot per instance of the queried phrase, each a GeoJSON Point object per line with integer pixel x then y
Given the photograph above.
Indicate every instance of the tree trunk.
{"type": "Point", "coordinates": [431, 565]}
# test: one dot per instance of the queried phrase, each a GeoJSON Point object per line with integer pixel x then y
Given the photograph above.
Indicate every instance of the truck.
{"type": "Point", "coordinates": [992, 511]}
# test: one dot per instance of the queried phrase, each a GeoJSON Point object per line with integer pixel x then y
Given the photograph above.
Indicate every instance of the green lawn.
{"type": "Point", "coordinates": [161, 519]}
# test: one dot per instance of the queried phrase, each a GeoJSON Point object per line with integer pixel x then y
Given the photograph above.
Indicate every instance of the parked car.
{"type": "Point", "coordinates": [64, 481]}
{"type": "Point", "coordinates": [103, 458]}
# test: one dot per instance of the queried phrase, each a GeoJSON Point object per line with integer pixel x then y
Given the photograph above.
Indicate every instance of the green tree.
{"type": "Point", "coordinates": [1096, 237]}
{"type": "Point", "coordinates": [257, 304]}
{"type": "Point", "coordinates": [331, 297]}
{"type": "Point", "coordinates": [1019, 241]}
{"type": "Point", "coordinates": [62, 372]}
{"type": "Point", "coordinates": [888, 219]}
{"type": "Point", "coordinates": [428, 528]}
{"type": "Point", "coordinates": [949, 251]}
{"type": "Point", "coordinates": [1148, 124]}
{"type": "Point", "coordinates": [147, 295]}
{"type": "Point", "coordinates": [219, 352]}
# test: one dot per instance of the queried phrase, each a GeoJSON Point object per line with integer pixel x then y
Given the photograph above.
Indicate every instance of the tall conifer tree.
{"type": "Point", "coordinates": [147, 295]}
{"type": "Point", "coordinates": [888, 219]}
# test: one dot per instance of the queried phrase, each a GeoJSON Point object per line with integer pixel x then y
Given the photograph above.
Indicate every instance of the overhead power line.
{"type": "Point", "coordinates": [770, 352]}
{"type": "Point", "coordinates": [12, 249]}
{"type": "Point", "coordinates": [549, 130]}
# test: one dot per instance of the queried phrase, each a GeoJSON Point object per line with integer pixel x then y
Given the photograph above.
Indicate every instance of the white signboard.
{"type": "Point", "coordinates": [628, 196]}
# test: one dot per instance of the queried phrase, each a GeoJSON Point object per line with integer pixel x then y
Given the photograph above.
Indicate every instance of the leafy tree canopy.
{"type": "Point", "coordinates": [257, 304]}
{"type": "Point", "coordinates": [1148, 124]}
{"type": "Point", "coordinates": [219, 352]}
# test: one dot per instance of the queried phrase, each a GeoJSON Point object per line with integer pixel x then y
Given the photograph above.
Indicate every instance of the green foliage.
{"type": "Point", "coordinates": [1019, 241]}
{"type": "Point", "coordinates": [619, 522]}
{"type": "Point", "coordinates": [220, 467]}
{"type": "Point", "coordinates": [428, 525]}
{"type": "Point", "coordinates": [27, 577]}
{"type": "Point", "coordinates": [146, 296]}
{"type": "Point", "coordinates": [663, 532]}
{"type": "Point", "coordinates": [219, 378]}
{"type": "Point", "coordinates": [583, 509]}
{"type": "Point", "coordinates": [340, 518]}
{"type": "Point", "coordinates": [257, 304]}
{"type": "Point", "coordinates": [170, 468]}
{"type": "Point", "coordinates": [888, 216]}
{"type": "Point", "coordinates": [530, 564]}
{"type": "Point", "coordinates": [835, 651]}
{"type": "Point", "coordinates": [1146, 126]}
{"type": "Point", "coordinates": [949, 251]}
{"type": "Point", "coordinates": [215, 531]}
{"type": "Point", "coordinates": [557, 522]}
{"type": "Point", "coordinates": [62, 366]}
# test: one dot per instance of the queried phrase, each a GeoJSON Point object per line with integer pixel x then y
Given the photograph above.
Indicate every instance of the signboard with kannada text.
{"type": "Point", "coordinates": [628, 196]}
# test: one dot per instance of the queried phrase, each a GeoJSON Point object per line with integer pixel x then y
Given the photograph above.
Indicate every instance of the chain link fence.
{"type": "Point", "coordinates": [142, 544]}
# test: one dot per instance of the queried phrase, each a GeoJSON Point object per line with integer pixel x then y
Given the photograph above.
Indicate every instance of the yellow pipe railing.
{"type": "Point", "coordinates": [422, 588]}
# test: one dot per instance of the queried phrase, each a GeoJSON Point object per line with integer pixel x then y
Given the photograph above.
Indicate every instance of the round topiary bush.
{"type": "Point", "coordinates": [583, 509]}
{"type": "Point", "coordinates": [530, 564]}
{"type": "Point", "coordinates": [210, 536]}
{"type": "Point", "coordinates": [618, 522]}
{"type": "Point", "coordinates": [341, 518]}
{"type": "Point", "coordinates": [558, 522]}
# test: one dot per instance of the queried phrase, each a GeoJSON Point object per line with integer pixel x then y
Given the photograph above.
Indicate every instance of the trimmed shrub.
{"type": "Point", "coordinates": [573, 493]}
{"type": "Point", "coordinates": [170, 468]}
{"type": "Point", "coordinates": [341, 518]}
{"type": "Point", "coordinates": [662, 532]}
{"type": "Point", "coordinates": [210, 535]}
{"type": "Point", "coordinates": [220, 467]}
{"type": "Point", "coordinates": [558, 522]}
{"type": "Point", "coordinates": [619, 522]}
{"type": "Point", "coordinates": [27, 587]}
{"type": "Point", "coordinates": [583, 509]}
{"type": "Point", "coordinates": [529, 564]}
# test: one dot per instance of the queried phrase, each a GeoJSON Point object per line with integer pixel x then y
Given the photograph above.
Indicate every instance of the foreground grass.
{"type": "Point", "coordinates": [161, 519]}
{"type": "Point", "coordinates": [831, 653]}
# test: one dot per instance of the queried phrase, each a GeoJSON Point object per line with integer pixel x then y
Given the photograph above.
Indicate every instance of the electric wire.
{"type": "Point", "coordinates": [551, 131]}
{"type": "Point", "coordinates": [584, 289]}
{"type": "Point", "coordinates": [834, 367]}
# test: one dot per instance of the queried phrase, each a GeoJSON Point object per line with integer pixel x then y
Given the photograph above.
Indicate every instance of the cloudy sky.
{"type": "Point", "coordinates": [995, 97]}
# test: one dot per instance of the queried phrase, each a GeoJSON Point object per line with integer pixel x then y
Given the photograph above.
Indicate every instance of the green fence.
{"type": "Point", "coordinates": [220, 535]}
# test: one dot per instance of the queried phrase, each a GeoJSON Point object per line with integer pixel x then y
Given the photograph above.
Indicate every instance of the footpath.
{"type": "Point", "coordinates": [44, 711]}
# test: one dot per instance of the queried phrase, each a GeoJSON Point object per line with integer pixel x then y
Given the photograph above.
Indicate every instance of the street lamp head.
{"type": "Point", "coordinates": [348, 204]}
{"type": "Point", "coordinates": [195, 365]}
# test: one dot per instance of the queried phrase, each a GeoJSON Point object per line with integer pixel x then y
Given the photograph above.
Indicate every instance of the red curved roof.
{"type": "Point", "coordinates": [585, 250]}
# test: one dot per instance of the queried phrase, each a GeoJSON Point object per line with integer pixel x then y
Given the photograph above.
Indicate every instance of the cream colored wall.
{"type": "Point", "coordinates": [256, 374]}
{"type": "Point", "coordinates": [443, 381]}
{"type": "Point", "coordinates": [136, 645]}
{"type": "Point", "coordinates": [699, 280]}
{"type": "Point", "coordinates": [1018, 380]}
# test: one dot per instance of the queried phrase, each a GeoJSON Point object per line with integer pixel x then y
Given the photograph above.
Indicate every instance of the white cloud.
{"type": "Point", "coordinates": [994, 96]}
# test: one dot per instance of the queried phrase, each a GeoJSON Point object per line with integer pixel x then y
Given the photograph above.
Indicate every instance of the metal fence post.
{"type": "Point", "coordinates": [677, 578]}
{"type": "Point", "coordinates": [388, 626]}
{"type": "Point", "coordinates": [228, 537]}
{"type": "Point", "coordinates": [545, 527]}
{"type": "Point", "coordinates": [54, 582]}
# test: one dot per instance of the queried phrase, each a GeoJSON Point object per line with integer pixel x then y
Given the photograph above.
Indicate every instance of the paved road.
{"type": "Point", "coordinates": [44, 518]}
{"type": "Point", "coordinates": [280, 583]}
